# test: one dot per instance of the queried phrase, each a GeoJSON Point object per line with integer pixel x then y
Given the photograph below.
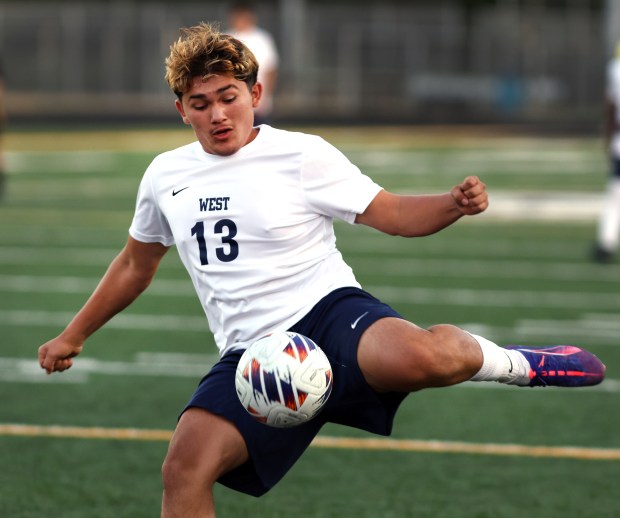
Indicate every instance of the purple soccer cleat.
{"type": "Point", "coordinates": [561, 366]}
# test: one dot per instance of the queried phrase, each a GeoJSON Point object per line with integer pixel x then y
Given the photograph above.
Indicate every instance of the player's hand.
{"type": "Point", "coordinates": [471, 196]}
{"type": "Point", "coordinates": [56, 355]}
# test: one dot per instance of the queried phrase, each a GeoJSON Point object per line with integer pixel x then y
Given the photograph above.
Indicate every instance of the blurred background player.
{"type": "Point", "coordinates": [609, 222]}
{"type": "Point", "coordinates": [2, 122]}
{"type": "Point", "coordinates": [243, 25]}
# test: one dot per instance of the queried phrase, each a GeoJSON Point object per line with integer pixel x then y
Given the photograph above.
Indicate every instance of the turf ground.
{"type": "Point", "coordinates": [89, 442]}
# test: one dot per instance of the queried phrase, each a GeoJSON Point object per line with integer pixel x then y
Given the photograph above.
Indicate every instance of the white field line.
{"type": "Point", "coordinates": [324, 441]}
{"type": "Point", "coordinates": [566, 207]}
{"type": "Point", "coordinates": [552, 208]}
{"type": "Point", "coordinates": [61, 255]}
{"type": "Point", "coordinates": [519, 450]}
{"type": "Point", "coordinates": [407, 162]}
{"type": "Point", "coordinates": [23, 370]}
{"type": "Point", "coordinates": [602, 317]}
{"type": "Point", "coordinates": [602, 331]}
{"type": "Point", "coordinates": [179, 365]}
{"type": "Point", "coordinates": [66, 256]}
{"type": "Point", "coordinates": [588, 331]}
{"type": "Point", "coordinates": [498, 298]}
{"type": "Point", "coordinates": [485, 269]}
{"type": "Point", "coordinates": [609, 386]}
{"type": "Point", "coordinates": [563, 333]}
{"type": "Point", "coordinates": [395, 294]}
{"type": "Point", "coordinates": [368, 243]}
{"type": "Point", "coordinates": [78, 162]}
{"type": "Point", "coordinates": [29, 318]}
{"type": "Point", "coordinates": [496, 161]}
{"type": "Point", "coordinates": [588, 325]}
{"type": "Point", "coordinates": [580, 332]}
{"type": "Point", "coordinates": [460, 268]}
{"type": "Point", "coordinates": [378, 245]}
{"type": "Point", "coordinates": [65, 284]}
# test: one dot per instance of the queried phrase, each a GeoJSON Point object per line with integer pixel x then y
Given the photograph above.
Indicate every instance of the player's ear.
{"type": "Point", "coordinates": [181, 111]}
{"type": "Point", "coordinates": [256, 92]}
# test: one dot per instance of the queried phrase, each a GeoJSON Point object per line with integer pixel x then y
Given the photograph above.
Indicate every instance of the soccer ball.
{"type": "Point", "coordinates": [283, 379]}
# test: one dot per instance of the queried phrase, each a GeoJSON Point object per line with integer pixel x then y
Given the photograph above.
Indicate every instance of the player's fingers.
{"type": "Point", "coordinates": [475, 188]}
{"type": "Point", "coordinates": [461, 193]}
{"type": "Point", "coordinates": [477, 196]}
{"type": "Point", "coordinates": [49, 364]}
{"type": "Point", "coordinates": [479, 203]}
{"type": "Point", "coordinates": [458, 196]}
{"type": "Point", "coordinates": [469, 183]}
{"type": "Point", "coordinates": [63, 365]}
{"type": "Point", "coordinates": [45, 362]}
{"type": "Point", "coordinates": [41, 356]}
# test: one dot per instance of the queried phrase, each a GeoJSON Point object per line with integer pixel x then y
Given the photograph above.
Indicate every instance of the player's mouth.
{"type": "Point", "coordinates": [221, 133]}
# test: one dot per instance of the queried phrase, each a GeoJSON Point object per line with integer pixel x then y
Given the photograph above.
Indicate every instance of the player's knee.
{"type": "Point", "coordinates": [187, 488]}
{"type": "Point", "coordinates": [448, 353]}
{"type": "Point", "coordinates": [180, 474]}
{"type": "Point", "coordinates": [203, 448]}
{"type": "Point", "coordinates": [174, 474]}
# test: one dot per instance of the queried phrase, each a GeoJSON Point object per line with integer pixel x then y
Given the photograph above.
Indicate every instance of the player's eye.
{"type": "Point", "coordinates": [229, 100]}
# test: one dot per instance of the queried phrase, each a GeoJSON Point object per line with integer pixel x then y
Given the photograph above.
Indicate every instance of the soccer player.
{"type": "Point", "coordinates": [608, 232]}
{"type": "Point", "coordinates": [250, 210]}
{"type": "Point", "coordinates": [2, 123]}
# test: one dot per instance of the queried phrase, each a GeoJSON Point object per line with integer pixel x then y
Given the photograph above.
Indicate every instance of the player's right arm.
{"type": "Point", "coordinates": [127, 277]}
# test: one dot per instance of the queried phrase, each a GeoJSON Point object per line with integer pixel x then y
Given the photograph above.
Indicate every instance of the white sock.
{"type": "Point", "coordinates": [499, 364]}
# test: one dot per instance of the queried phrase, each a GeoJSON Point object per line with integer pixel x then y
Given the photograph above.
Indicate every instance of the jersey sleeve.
{"type": "Point", "coordinates": [149, 224]}
{"type": "Point", "coordinates": [333, 186]}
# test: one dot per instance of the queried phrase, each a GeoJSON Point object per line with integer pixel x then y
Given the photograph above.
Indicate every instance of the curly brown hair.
{"type": "Point", "coordinates": [203, 51]}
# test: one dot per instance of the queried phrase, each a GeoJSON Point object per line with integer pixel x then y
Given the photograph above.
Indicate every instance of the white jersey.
{"type": "Point", "coordinates": [254, 229]}
{"type": "Point", "coordinates": [613, 95]}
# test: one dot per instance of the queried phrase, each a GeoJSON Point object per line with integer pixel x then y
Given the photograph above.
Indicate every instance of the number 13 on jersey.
{"type": "Point", "coordinates": [226, 230]}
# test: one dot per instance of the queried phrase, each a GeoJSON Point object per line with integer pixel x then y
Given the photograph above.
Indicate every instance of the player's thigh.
{"type": "Point", "coordinates": [205, 446]}
{"type": "Point", "coordinates": [396, 355]}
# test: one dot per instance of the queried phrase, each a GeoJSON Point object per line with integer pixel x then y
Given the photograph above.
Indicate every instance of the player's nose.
{"type": "Point", "coordinates": [218, 113]}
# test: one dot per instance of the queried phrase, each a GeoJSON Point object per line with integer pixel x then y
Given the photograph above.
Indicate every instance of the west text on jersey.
{"type": "Point", "coordinates": [211, 204]}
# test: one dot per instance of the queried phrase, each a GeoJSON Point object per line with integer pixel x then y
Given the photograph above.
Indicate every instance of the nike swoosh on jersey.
{"type": "Point", "coordinates": [174, 193]}
{"type": "Point", "coordinates": [356, 321]}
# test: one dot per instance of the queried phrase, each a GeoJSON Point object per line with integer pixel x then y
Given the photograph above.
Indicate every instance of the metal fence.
{"type": "Point", "coordinates": [441, 61]}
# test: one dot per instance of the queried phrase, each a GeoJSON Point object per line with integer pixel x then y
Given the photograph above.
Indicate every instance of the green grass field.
{"type": "Point", "coordinates": [519, 274]}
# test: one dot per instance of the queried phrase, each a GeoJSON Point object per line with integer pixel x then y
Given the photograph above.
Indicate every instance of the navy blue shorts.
{"type": "Point", "coordinates": [336, 324]}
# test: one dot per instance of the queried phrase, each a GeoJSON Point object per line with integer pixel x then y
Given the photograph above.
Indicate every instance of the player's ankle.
{"type": "Point", "coordinates": [519, 372]}
{"type": "Point", "coordinates": [501, 365]}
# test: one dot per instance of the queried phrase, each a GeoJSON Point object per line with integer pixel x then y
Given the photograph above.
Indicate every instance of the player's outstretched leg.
{"type": "Point", "coordinates": [561, 366]}
{"type": "Point", "coordinates": [396, 355]}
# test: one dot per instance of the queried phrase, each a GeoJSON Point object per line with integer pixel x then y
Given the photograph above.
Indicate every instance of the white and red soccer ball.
{"type": "Point", "coordinates": [283, 379]}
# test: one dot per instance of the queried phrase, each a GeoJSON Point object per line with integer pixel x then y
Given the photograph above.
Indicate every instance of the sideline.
{"type": "Point", "coordinates": [323, 441]}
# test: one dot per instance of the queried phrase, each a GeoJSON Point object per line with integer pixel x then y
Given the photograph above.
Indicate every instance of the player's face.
{"type": "Point", "coordinates": [220, 110]}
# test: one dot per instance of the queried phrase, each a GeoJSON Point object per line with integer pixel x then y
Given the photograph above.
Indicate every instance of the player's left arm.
{"type": "Point", "coordinates": [422, 215]}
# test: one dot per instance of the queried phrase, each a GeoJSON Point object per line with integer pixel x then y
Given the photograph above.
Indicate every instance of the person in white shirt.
{"type": "Point", "coordinates": [243, 25]}
{"type": "Point", "coordinates": [608, 231]}
{"type": "Point", "coordinates": [2, 124]}
{"type": "Point", "coordinates": [250, 210]}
